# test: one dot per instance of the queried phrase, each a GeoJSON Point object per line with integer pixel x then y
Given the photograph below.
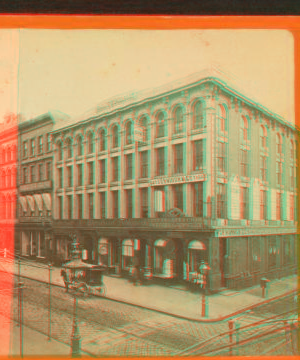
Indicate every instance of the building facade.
{"type": "Point", "coordinates": [163, 180]}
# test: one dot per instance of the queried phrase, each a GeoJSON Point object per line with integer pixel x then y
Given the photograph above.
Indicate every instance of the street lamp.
{"type": "Point", "coordinates": [204, 269]}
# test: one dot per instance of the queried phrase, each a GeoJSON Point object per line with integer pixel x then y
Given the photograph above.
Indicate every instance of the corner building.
{"type": "Point", "coordinates": [166, 178]}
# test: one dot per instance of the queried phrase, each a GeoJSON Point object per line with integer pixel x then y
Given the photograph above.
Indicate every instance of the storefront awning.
{"type": "Point", "coordinates": [30, 200]}
{"type": "Point", "coordinates": [197, 245]}
{"type": "Point", "coordinates": [160, 242]}
{"type": "Point", "coordinates": [47, 201]}
{"type": "Point", "coordinates": [23, 203]}
{"type": "Point", "coordinates": [39, 201]}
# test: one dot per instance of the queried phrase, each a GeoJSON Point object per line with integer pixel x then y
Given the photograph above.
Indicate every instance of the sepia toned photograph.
{"type": "Point", "coordinates": [148, 193]}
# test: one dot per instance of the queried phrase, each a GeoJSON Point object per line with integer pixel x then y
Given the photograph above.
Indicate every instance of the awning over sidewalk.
{"type": "Point", "coordinates": [30, 200]}
{"type": "Point", "coordinates": [39, 201]}
{"type": "Point", "coordinates": [23, 203]}
{"type": "Point", "coordinates": [47, 201]}
{"type": "Point", "coordinates": [197, 245]}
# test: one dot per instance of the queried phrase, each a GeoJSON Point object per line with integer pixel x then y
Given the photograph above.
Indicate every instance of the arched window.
{"type": "Point", "coordinates": [90, 144]}
{"type": "Point", "coordinates": [222, 117]}
{"type": "Point", "coordinates": [69, 149]}
{"type": "Point", "coordinates": [102, 140]}
{"type": "Point", "coordinates": [178, 120]}
{"type": "Point", "coordinates": [263, 137]}
{"type": "Point", "coordinates": [144, 125]}
{"type": "Point", "coordinates": [115, 137]}
{"type": "Point", "coordinates": [244, 129]}
{"type": "Point", "coordinates": [128, 133]}
{"type": "Point", "coordinates": [160, 125]}
{"type": "Point", "coordinates": [278, 144]}
{"type": "Point", "coordinates": [198, 115]}
{"type": "Point", "coordinates": [80, 149]}
{"type": "Point", "coordinates": [59, 151]}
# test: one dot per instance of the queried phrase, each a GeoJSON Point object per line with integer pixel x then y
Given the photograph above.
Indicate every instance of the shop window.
{"type": "Point", "coordinates": [115, 137]}
{"type": "Point", "coordinates": [128, 133]}
{"type": "Point", "coordinates": [198, 199]}
{"type": "Point", "coordinates": [144, 164]}
{"type": "Point", "coordinates": [160, 161]}
{"type": "Point", "coordinates": [128, 167]}
{"type": "Point", "coordinates": [144, 202]}
{"type": "Point", "coordinates": [128, 195]}
{"type": "Point", "coordinates": [160, 125]}
{"type": "Point", "coordinates": [221, 201]}
{"type": "Point", "coordinates": [80, 146]}
{"type": "Point", "coordinates": [272, 252]}
{"type": "Point", "coordinates": [103, 204]}
{"type": "Point", "coordinates": [198, 115]}
{"type": "Point", "coordinates": [263, 168]}
{"type": "Point", "coordinates": [263, 205]}
{"type": "Point", "coordinates": [163, 258]}
{"type": "Point", "coordinates": [102, 140]}
{"type": "Point", "coordinates": [103, 245]}
{"type": "Point", "coordinates": [127, 254]}
{"type": "Point", "coordinates": [222, 118]}
{"type": "Point", "coordinates": [198, 155]}
{"type": "Point", "coordinates": [197, 253]}
{"type": "Point", "coordinates": [178, 120]}
{"type": "Point", "coordinates": [221, 147]}
{"type": "Point", "coordinates": [178, 159]}
{"type": "Point", "coordinates": [244, 203]}
{"type": "Point", "coordinates": [102, 168]}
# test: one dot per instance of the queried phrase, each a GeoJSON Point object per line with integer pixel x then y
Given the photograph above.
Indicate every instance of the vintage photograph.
{"type": "Point", "coordinates": [148, 193]}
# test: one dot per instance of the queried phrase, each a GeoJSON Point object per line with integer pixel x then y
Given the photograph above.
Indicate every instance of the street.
{"type": "Point", "coordinates": [110, 328]}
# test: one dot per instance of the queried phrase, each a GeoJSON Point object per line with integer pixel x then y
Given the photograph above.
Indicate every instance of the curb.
{"type": "Point", "coordinates": [220, 319]}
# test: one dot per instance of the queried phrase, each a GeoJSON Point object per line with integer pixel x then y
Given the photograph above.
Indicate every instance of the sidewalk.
{"type": "Point", "coordinates": [168, 300]}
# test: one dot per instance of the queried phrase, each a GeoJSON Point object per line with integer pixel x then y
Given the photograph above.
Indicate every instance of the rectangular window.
{"type": "Point", "coordinates": [32, 147]}
{"type": "Point", "coordinates": [60, 177]}
{"type": "Point", "coordinates": [244, 202]}
{"type": "Point", "coordinates": [178, 197]}
{"type": "Point", "coordinates": [70, 176]}
{"type": "Point", "coordinates": [221, 156]}
{"type": "Point", "coordinates": [160, 161]}
{"type": "Point", "coordinates": [115, 196]}
{"type": "Point", "coordinates": [263, 168]}
{"type": "Point", "coordinates": [60, 208]}
{"type": "Point", "coordinates": [221, 201]}
{"type": "Point", "coordinates": [198, 199]}
{"type": "Point", "coordinates": [128, 167]}
{"type": "Point", "coordinates": [48, 142]}
{"type": "Point", "coordinates": [144, 202]}
{"type": "Point", "coordinates": [198, 155]}
{"type": "Point", "coordinates": [178, 159]}
{"type": "Point", "coordinates": [40, 172]}
{"type": "Point", "coordinates": [129, 203]}
{"type": "Point", "coordinates": [102, 169]}
{"type": "Point", "coordinates": [32, 174]}
{"type": "Point", "coordinates": [80, 174]}
{"type": "Point", "coordinates": [91, 206]}
{"type": "Point", "coordinates": [144, 164]}
{"type": "Point", "coordinates": [25, 149]}
{"type": "Point", "coordinates": [70, 206]}
{"type": "Point", "coordinates": [103, 204]}
{"type": "Point", "coordinates": [90, 173]}
{"type": "Point", "coordinates": [278, 206]}
{"type": "Point", "coordinates": [80, 206]}
{"type": "Point", "coordinates": [244, 163]}
{"type": "Point", "coordinates": [25, 176]}
{"type": "Point", "coordinates": [48, 170]}
{"type": "Point", "coordinates": [263, 205]}
{"type": "Point", "coordinates": [40, 144]}
{"type": "Point", "coordinates": [115, 168]}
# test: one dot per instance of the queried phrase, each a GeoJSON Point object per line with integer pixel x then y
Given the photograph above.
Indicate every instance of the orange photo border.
{"type": "Point", "coordinates": [167, 22]}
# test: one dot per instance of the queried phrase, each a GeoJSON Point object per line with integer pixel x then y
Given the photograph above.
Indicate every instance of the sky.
{"type": "Point", "coordinates": [74, 70]}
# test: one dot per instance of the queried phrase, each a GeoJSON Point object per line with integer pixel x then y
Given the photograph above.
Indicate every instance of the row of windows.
{"type": "Point", "coordinates": [29, 147]}
{"type": "Point", "coordinates": [9, 154]}
{"type": "Point", "coordinates": [35, 173]}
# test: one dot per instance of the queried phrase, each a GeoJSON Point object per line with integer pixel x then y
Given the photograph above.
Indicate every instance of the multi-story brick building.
{"type": "Point", "coordinates": [188, 172]}
{"type": "Point", "coordinates": [33, 232]}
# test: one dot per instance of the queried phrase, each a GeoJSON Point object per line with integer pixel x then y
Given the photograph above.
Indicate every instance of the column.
{"type": "Point", "coordinates": [214, 274]}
